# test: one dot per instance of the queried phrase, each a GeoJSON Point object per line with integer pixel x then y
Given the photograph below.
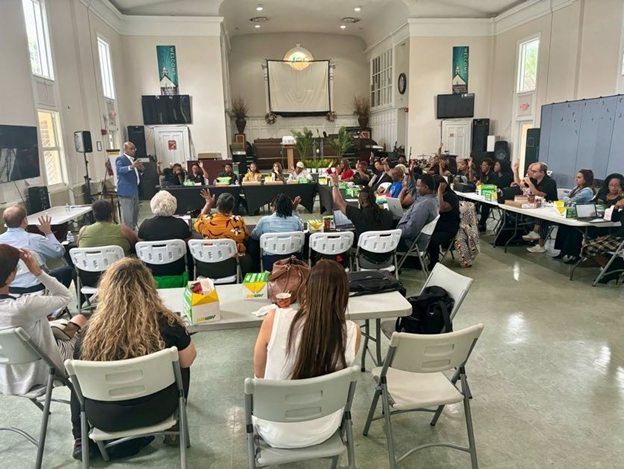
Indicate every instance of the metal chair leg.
{"type": "Point", "coordinates": [388, 429]}
{"type": "Point", "coordinates": [471, 438]}
{"type": "Point", "coordinates": [84, 437]}
{"type": "Point", "coordinates": [102, 447]}
{"type": "Point", "coordinates": [182, 433]}
{"type": "Point", "coordinates": [436, 416]}
{"type": "Point", "coordinates": [335, 460]}
{"type": "Point", "coordinates": [371, 412]}
{"type": "Point", "coordinates": [44, 420]}
{"type": "Point", "coordinates": [365, 345]}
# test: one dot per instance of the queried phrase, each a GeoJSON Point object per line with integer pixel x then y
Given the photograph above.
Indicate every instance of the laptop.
{"type": "Point", "coordinates": [394, 205]}
{"type": "Point", "coordinates": [587, 213]}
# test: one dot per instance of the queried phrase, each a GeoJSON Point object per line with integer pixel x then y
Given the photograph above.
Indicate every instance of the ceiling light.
{"type": "Point", "coordinates": [358, 9]}
{"type": "Point", "coordinates": [259, 8]}
{"type": "Point", "coordinates": [259, 19]}
{"type": "Point", "coordinates": [350, 19]}
{"type": "Point", "coordinates": [257, 26]}
{"type": "Point", "coordinates": [342, 26]}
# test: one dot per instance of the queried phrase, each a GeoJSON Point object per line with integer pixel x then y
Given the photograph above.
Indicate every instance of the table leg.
{"type": "Point", "coordinates": [378, 340]}
{"type": "Point", "coordinates": [515, 233]}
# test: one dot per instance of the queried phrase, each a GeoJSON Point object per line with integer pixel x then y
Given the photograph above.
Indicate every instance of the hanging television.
{"type": "Point", "coordinates": [166, 110]}
{"type": "Point", "coordinates": [455, 106]}
{"type": "Point", "coordinates": [19, 153]}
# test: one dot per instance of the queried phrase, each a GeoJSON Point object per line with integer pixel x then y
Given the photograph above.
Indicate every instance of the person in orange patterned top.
{"type": "Point", "coordinates": [223, 224]}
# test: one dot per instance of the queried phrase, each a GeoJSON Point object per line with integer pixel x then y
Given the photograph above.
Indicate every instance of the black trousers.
{"type": "Point", "coordinates": [485, 214]}
{"type": "Point", "coordinates": [439, 239]}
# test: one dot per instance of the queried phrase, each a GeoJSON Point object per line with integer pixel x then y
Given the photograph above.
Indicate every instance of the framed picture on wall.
{"type": "Point", "coordinates": [239, 138]}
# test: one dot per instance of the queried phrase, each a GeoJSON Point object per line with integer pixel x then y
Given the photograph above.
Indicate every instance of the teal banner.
{"type": "Point", "coordinates": [460, 69]}
{"type": "Point", "coordinates": [168, 69]}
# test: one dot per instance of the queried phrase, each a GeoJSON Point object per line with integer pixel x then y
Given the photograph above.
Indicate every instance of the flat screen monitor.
{"type": "Point", "coordinates": [166, 110]}
{"type": "Point", "coordinates": [19, 153]}
{"type": "Point", "coordinates": [455, 106]}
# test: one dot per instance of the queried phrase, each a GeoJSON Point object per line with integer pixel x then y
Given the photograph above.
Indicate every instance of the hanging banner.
{"type": "Point", "coordinates": [460, 69]}
{"type": "Point", "coordinates": [168, 69]}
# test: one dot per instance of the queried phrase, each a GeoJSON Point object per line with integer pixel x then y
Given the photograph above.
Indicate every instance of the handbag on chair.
{"type": "Point", "coordinates": [287, 276]}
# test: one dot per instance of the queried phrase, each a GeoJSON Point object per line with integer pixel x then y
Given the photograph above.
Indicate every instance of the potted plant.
{"type": "Point", "coordinates": [303, 142]}
{"type": "Point", "coordinates": [239, 110]}
{"type": "Point", "coordinates": [343, 143]}
{"type": "Point", "coordinates": [361, 108]}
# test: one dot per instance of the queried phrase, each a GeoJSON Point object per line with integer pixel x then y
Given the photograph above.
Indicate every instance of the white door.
{"type": "Point", "coordinates": [172, 144]}
{"type": "Point", "coordinates": [456, 137]}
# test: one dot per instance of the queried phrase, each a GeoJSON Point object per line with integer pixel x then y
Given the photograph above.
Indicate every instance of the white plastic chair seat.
{"type": "Point", "coordinates": [224, 280]}
{"type": "Point", "coordinates": [270, 456]}
{"type": "Point", "coordinates": [390, 268]}
{"type": "Point", "coordinates": [161, 252]}
{"type": "Point", "coordinates": [409, 391]}
{"type": "Point", "coordinates": [88, 290]}
{"type": "Point", "coordinates": [99, 435]}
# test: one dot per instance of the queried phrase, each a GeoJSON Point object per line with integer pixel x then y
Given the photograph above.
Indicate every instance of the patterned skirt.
{"type": "Point", "coordinates": [602, 245]}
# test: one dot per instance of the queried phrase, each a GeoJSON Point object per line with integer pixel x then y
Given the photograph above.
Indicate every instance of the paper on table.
{"type": "Point", "coordinates": [264, 310]}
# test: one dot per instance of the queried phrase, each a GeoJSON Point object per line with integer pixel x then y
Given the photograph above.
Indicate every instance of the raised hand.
{"type": "Point", "coordinates": [30, 261]}
{"type": "Point", "coordinates": [205, 194]}
{"type": "Point", "coordinates": [296, 202]}
{"type": "Point", "coordinates": [201, 164]}
{"type": "Point", "coordinates": [442, 187]}
{"type": "Point", "coordinates": [516, 165]}
{"type": "Point", "coordinates": [45, 224]}
{"type": "Point", "coordinates": [334, 178]}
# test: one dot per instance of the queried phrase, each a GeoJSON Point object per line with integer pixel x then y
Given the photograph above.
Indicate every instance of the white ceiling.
{"type": "Point", "coordinates": [322, 16]}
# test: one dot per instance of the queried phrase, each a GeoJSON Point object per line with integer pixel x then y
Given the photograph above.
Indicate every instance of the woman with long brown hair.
{"type": "Point", "coordinates": [130, 321]}
{"type": "Point", "coordinates": [314, 341]}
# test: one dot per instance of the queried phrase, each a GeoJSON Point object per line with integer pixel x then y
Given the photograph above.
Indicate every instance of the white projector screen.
{"type": "Point", "coordinates": [298, 92]}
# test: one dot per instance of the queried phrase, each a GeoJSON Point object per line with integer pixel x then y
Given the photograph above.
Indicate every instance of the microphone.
{"type": "Point", "coordinates": [324, 134]}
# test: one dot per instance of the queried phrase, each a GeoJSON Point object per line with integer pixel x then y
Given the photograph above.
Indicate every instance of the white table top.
{"type": "Point", "coordinates": [236, 312]}
{"type": "Point", "coordinates": [60, 215]}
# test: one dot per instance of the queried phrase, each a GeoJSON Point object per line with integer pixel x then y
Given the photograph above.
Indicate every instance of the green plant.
{"type": "Point", "coordinates": [303, 142]}
{"type": "Point", "coordinates": [361, 105]}
{"type": "Point", "coordinates": [311, 164]}
{"type": "Point", "coordinates": [239, 108]}
{"type": "Point", "coordinates": [343, 143]}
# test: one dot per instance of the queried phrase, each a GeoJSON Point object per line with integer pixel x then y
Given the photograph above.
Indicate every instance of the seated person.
{"type": "Point", "coordinates": [462, 168]}
{"type": "Point", "coordinates": [367, 217]}
{"type": "Point", "coordinates": [198, 174]}
{"type": "Point", "coordinates": [538, 183]}
{"type": "Point", "coordinates": [380, 176]}
{"type": "Point", "coordinates": [487, 176]}
{"type": "Point", "coordinates": [447, 225]}
{"type": "Point", "coordinates": [131, 321]}
{"type": "Point", "coordinates": [253, 174]}
{"type": "Point", "coordinates": [343, 170]}
{"type": "Point", "coordinates": [361, 177]}
{"type": "Point", "coordinates": [396, 175]}
{"type": "Point", "coordinates": [173, 176]}
{"type": "Point", "coordinates": [229, 172]}
{"type": "Point", "coordinates": [299, 172]}
{"type": "Point", "coordinates": [291, 345]}
{"type": "Point", "coordinates": [30, 312]}
{"type": "Point", "coordinates": [162, 227]}
{"type": "Point", "coordinates": [611, 191]}
{"type": "Point", "coordinates": [503, 175]}
{"type": "Point", "coordinates": [220, 225]}
{"type": "Point", "coordinates": [41, 247]}
{"type": "Point", "coordinates": [277, 172]}
{"type": "Point", "coordinates": [423, 211]}
{"type": "Point", "coordinates": [283, 219]}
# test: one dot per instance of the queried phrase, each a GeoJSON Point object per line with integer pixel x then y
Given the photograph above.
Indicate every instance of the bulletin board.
{"type": "Point", "coordinates": [583, 134]}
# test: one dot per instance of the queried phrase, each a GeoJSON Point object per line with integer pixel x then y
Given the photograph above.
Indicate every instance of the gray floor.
{"type": "Point", "coordinates": [547, 378]}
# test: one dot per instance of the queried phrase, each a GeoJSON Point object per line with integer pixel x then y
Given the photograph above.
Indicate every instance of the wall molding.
{"type": "Point", "coordinates": [526, 12]}
{"type": "Point", "coordinates": [450, 27]}
{"type": "Point", "coordinates": [395, 37]}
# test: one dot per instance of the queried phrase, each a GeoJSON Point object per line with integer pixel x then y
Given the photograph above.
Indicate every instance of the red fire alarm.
{"type": "Point", "coordinates": [524, 106]}
{"type": "Point", "coordinates": [173, 145]}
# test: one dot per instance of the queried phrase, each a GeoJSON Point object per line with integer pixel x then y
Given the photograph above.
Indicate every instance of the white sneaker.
{"type": "Point", "coordinates": [536, 248]}
{"type": "Point", "coordinates": [532, 236]}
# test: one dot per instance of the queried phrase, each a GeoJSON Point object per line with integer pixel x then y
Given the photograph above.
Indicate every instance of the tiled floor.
{"type": "Point", "coordinates": [547, 378]}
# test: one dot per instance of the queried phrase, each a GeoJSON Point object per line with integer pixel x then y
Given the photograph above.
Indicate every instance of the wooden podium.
{"type": "Point", "coordinates": [290, 156]}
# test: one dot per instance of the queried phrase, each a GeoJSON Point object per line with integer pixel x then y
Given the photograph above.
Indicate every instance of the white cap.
{"type": "Point", "coordinates": [300, 165]}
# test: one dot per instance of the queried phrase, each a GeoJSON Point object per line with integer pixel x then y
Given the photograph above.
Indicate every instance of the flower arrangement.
{"type": "Point", "coordinates": [331, 116]}
{"type": "Point", "coordinates": [270, 118]}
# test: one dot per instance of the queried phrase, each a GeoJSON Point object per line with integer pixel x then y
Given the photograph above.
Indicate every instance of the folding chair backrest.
{"type": "Point", "coordinates": [160, 252]}
{"type": "Point", "coordinates": [113, 159]}
{"type": "Point", "coordinates": [331, 244]}
{"type": "Point", "coordinates": [124, 379]}
{"type": "Point", "coordinates": [430, 227]}
{"type": "Point", "coordinates": [14, 348]}
{"type": "Point", "coordinates": [282, 243]}
{"type": "Point", "coordinates": [379, 242]}
{"type": "Point", "coordinates": [95, 259]}
{"type": "Point", "coordinates": [431, 353]}
{"type": "Point", "coordinates": [456, 285]}
{"type": "Point", "coordinates": [212, 251]}
{"type": "Point", "coordinates": [302, 399]}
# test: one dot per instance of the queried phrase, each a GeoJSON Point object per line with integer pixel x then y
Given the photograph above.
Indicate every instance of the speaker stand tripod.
{"type": "Point", "coordinates": [87, 193]}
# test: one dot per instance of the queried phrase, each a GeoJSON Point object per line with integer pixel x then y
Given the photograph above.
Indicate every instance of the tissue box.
{"type": "Point", "coordinates": [255, 286]}
{"type": "Point", "coordinates": [201, 308]}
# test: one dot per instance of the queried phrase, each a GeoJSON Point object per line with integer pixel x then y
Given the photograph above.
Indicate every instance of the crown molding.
{"type": "Point", "coordinates": [107, 12]}
{"type": "Point", "coordinates": [526, 12]}
{"type": "Point", "coordinates": [396, 37]}
{"type": "Point", "coordinates": [450, 27]}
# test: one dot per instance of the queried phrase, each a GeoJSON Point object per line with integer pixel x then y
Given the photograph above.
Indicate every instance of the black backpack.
{"type": "Point", "coordinates": [370, 282]}
{"type": "Point", "coordinates": [431, 313]}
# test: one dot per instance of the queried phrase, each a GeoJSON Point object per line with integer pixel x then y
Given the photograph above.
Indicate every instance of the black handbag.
{"type": "Point", "coordinates": [430, 313]}
{"type": "Point", "coordinates": [374, 281]}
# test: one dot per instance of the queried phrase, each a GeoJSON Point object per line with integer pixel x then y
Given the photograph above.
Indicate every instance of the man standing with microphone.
{"type": "Point", "coordinates": [128, 177]}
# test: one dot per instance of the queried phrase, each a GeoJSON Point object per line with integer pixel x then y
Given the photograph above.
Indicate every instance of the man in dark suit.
{"type": "Point", "coordinates": [128, 177]}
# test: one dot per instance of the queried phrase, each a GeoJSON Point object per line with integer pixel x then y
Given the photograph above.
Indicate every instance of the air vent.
{"type": "Point", "coordinates": [350, 19]}
{"type": "Point", "coordinates": [259, 19]}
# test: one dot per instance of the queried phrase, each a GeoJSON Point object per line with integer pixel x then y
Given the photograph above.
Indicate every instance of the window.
{"type": "Point", "coordinates": [381, 80]}
{"type": "Point", "coordinates": [51, 146]}
{"type": "Point", "coordinates": [106, 69]}
{"type": "Point", "coordinates": [38, 38]}
{"type": "Point", "coordinates": [527, 65]}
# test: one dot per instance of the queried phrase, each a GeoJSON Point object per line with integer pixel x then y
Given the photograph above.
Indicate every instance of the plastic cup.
{"type": "Point", "coordinates": [283, 300]}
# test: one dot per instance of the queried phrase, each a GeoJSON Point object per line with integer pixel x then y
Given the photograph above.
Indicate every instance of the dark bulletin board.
{"type": "Point", "coordinates": [583, 134]}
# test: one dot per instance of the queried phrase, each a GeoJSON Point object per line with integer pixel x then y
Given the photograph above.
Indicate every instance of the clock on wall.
{"type": "Point", "coordinates": [402, 83]}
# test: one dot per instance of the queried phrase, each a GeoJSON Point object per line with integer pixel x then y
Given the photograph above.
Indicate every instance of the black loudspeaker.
{"type": "Point", "coordinates": [480, 132]}
{"type": "Point", "coordinates": [532, 148]}
{"type": "Point", "coordinates": [82, 141]}
{"type": "Point", "coordinates": [501, 151]}
{"type": "Point", "coordinates": [136, 134]}
{"type": "Point", "coordinates": [38, 199]}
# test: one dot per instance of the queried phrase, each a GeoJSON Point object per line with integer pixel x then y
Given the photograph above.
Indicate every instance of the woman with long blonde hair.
{"type": "Point", "coordinates": [131, 321]}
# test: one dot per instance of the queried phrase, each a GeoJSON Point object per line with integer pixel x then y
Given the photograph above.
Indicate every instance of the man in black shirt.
{"type": "Point", "coordinates": [229, 173]}
{"type": "Point", "coordinates": [173, 176]}
{"type": "Point", "coordinates": [361, 177]}
{"type": "Point", "coordinates": [447, 225]}
{"type": "Point", "coordinates": [198, 174]}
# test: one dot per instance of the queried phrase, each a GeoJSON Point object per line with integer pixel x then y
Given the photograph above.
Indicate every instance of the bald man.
{"type": "Point", "coordinates": [129, 173]}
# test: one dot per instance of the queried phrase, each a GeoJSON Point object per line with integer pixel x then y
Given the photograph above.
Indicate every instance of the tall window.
{"type": "Point", "coordinates": [381, 80]}
{"type": "Point", "coordinates": [106, 69]}
{"type": "Point", "coordinates": [527, 65]}
{"type": "Point", "coordinates": [38, 38]}
{"type": "Point", "coordinates": [51, 146]}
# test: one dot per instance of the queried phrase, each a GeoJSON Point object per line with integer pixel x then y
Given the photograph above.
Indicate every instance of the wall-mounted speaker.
{"type": "Point", "coordinates": [501, 151]}
{"type": "Point", "coordinates": [136, 134]}
{"type": "Point", "coordinates": [38, 199]}
{"type": "Point", "coordinates": [480, 132]}
{"type": "Point", "coordinates": [82, 141]}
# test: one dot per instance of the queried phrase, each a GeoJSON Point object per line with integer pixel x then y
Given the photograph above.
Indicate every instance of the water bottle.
{"type": "Point", "coordinates": [67, 207]}
{"type": "Point", "coordinates": [70, 237]}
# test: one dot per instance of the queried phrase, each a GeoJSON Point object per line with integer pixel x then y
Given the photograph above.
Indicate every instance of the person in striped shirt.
{"type": "Point", "coordinates": [283, 219]}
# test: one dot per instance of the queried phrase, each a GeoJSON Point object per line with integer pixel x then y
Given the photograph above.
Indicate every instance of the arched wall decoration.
{"type": "Point", "coordinates": [298, 57]}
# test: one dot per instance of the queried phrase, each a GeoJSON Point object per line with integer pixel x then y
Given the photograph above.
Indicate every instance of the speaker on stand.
{"type": "Point", "coordinates": [38, 199]}
{"type": "Point", "coordinates": [136, 134]}
{"type": "Point", "coordinates": [480, 132]}
{"type": "Point", "coordinates": [83, 144]}
{"type": "Point", "coordinates": [501, 151]}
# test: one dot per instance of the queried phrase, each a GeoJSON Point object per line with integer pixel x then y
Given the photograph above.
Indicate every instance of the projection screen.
{"type": "Point", "coordinates": [298, 92]}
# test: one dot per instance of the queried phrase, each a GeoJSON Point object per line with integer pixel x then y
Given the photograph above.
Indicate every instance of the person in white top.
{"type": "Point", "coordinates": [30, 313]}
{"type": "Point", "coordinates": [314, 341]}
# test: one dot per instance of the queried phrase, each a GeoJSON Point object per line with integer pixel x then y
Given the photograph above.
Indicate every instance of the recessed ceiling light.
{"type": "Point", "coordinates": [259, 8]}
{"type": "Point", "coordinates": [358, 9]}
{"type": "Point", "coordinates": [350, 20]}
{"type": "Point", "coordinates": [259, 19]}
{"type": "Point", "coordinates": [257, 26]}
{"type": "Point", "coordinates": [342, 26]}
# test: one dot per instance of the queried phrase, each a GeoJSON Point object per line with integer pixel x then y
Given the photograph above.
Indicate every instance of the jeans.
{"type": "Point", "coordinates": [130, 211]}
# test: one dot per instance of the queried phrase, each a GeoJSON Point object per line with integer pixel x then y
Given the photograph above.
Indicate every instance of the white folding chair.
{"type": "Point", "coordinates": [96, 259]}
{"type": "Point", "coordinates": [619, 252]}
{"type": "Point", "coordinates": [331, 244]}
{"type": "Point", "coordinates": [301, 401]}
{"type": "Point", "coordinates": [423, 255]}
{"type": "Point", "coordinates": [121, 380]}
{"type": "Point", "coordinates": [213, 251]}
{"type": "Point", "coordinates": [281, 244]}
{"type": "Point", "coordinates": [379, 242]}
{"type": "Point", "coordinates": [412, 379]}
{"type": "Point", "coordinates": [17, 348]}
{"type": "Point", "coordinates": [160, 252]}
